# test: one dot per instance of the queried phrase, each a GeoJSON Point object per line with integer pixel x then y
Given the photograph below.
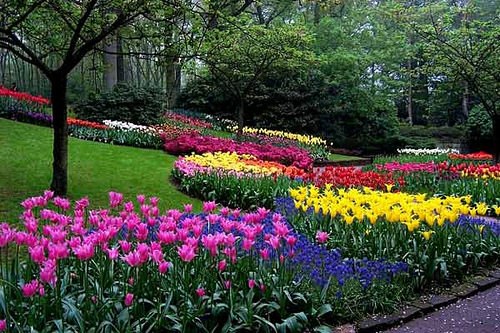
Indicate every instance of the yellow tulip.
{"type": "Point", "coordinates": [427, 234]}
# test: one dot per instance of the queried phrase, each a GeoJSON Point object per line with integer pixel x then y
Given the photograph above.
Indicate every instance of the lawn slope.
{"type": "Point", "coordinates": [94, 170]}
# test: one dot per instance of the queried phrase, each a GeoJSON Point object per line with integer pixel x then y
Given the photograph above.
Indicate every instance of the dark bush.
{"type": "Point", "coordinates": [479, 130]}
{"type": "Point", "coordinates": [136, 105]}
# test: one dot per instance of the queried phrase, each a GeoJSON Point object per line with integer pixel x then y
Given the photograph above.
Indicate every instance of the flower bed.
{"type": "Point", "coordinates": [423, 232]}
{"type": "Point", "coordinates": [189, 143]}
{"type": "Point", "coordinates": [241, 164]}
{"type": "Point", "coordinates": [479, 156]}
{"type": "Point", "coordinates": [428, 151]}
{"type": "Point", "coordinates": [23, 97]}
{"type": "Point", "coordinates": [302, 138]}
{"type": "Point", "coordinates": [133, 270]}
{"type": "Point", "coordinates": [172, 116]}
{"type": "Point", "coordinates": [353, 177]}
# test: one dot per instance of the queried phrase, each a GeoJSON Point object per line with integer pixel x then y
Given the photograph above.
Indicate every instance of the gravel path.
{"type": "Point", "coordinates": [478, 314]}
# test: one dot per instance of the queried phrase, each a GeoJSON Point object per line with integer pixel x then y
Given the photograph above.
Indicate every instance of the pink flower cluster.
{"type": "Point", "coordinates": [189, 143]}
{"type": "Point", "coordinates": [188, 120]}
{"type": "Point", "coordinates": [135, 239]}
{"type": "Point", "coordinates": [408, 167]}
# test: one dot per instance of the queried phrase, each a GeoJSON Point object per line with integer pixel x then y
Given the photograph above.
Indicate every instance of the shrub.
{"type": "Point", "coordinates": [479, 129]}
{"type": "Point", "coordinates": [136, 105]}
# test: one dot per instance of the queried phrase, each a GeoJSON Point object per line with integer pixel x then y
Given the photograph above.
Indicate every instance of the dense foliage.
{"type": "Point", "coordinates": [139, 106]}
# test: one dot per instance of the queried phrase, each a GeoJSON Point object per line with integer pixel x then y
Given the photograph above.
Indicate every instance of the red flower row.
{"type": "Point", "coordinates": [352, 177]}
{"type": "Point", "coordinates": [22, 96]}
{"type": "Point", "coordinates": [84, 123]}
{"type": "Point", "coordinates": [473, 156]}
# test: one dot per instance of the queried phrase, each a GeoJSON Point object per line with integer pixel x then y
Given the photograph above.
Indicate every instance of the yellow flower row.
{"type": "Point", "coordinates": [355, 205]}
{"type": "Point", "coordinates": [306, 139]}
{"type": "Point", "coordinates": [231, 162]}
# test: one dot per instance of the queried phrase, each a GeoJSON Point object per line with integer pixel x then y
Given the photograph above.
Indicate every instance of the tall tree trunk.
{"type": "Point", "coordinates": [110, 77]}
{"type": "Point", "coordinates": [241, 116]}
{"type": "Point", "coordinates": [120, 61]}
{"type": "Point", "coordinates": [317, 11]}
{"type": "Point", "coordinates": [409, 106]}
{"type": "Point", "coordinates": [60, 151]}
{"type": "Point", "coordinates": [178, 77]}
{"type": "Point", "coordinates": [170, 79]}
{"type": "Point", "coordinates": [465, 100]}
{"type": "Point", "coordinates": [496, 137]}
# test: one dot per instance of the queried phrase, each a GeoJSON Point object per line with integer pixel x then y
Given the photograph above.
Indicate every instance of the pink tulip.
{"type": "Point", "coordinates": [274, 241]}
{"type": "Point", "coordinates": [30, 289]}
{"type": "Point", "coordinates": [251, 283]}
{"type": "Point", "coordinates": [291, 240]}
{"type": "Point", "coordinates": [209, 206]}
{"type": "Point", "coordinates": [125, 246]}
{"type": "Point", "coordinates": [201, 292]}
{"type": "Point", "coordinates": [164, 266]}
{"type": "Point", "coordinates": [141, 198]}
{"type": "Point", "coordinates": [188, 208]}
{"type": "Point", "coordinates": [264, 254]}
{"type": "Point", "coordinates": [154, 201]}
{"type": "Point", "coordinates": [247, 244]}
{"type": "Point", "coordinates": [222, 265]}
{"type": "Point", "coordinates": [262, 287]}
{"type": "Point", "coordinates": [129, 298]}
{"type": "Point", "coordinates": [3, 325]}
{"type": "Point", "coordinates": [186, 252]}
{"type": "Point", "coordinates": [322, 236]}
{"type": "Point", "coordinates": [112, 253]}
{"type": "Point", "coordinates": [227, 284]}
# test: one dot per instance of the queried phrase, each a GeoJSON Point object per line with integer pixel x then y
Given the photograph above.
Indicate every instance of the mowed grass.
{"type": "Point", "coordinates": [94, 170]}
{"type": "Point", "coordinates": [338, 157]}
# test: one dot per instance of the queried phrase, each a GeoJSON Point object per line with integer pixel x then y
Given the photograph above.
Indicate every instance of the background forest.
{"type": "Point", "coordinates": [368, 75]}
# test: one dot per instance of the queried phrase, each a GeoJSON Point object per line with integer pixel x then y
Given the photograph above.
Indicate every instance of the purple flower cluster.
{"type": "Point", "coordinates": [320, 264]}
{"type": "Point", "coordinates": [473, 223]}
{"type": "Point", "coordinates": [38, 118]}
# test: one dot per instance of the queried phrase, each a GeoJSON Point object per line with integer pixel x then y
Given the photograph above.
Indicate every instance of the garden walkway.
{"type": "Point", "coordinates": [477, 314]}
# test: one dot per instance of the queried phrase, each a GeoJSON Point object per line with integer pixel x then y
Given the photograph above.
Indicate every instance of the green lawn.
{"type": "Point", "coordinates": [338, 157]}
{"type": "Point", "coordinates": [94, 170]}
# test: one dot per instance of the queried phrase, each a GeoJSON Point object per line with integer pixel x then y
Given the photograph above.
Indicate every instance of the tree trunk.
{"type": "Point", "coordinates": [409, 106]}
{"type": "Point", "coordinates": [60, 151]}
{"type": "Point", "coordinates": [496, 138]}
{"type": "Point", "coordinates": [465, 100]}
{"type": "Point", "coordinates": [170, 79]}
{"type": "Point", "coordinates": [120, 62]}
{"type": "Point", "coordinates": [177, 84]}
{"type": "Point", "coordinates": [110, 76]}
{"type": "Point", "coordinates": [241, 117]}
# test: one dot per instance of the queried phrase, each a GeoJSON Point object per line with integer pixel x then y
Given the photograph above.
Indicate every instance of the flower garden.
{"type": "Point", "coordinates": [281, 245]}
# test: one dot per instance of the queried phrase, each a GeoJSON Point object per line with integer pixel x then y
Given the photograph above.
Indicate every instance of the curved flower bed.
{"type": "Point", "coordinates": [189, 143]}
{"type": "Point", "coordinates": [135, 269]}
{"type": "Point", "coordinates": [302, 138]}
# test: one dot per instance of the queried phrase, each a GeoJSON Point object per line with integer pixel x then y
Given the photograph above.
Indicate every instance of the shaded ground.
{"type": "Point", "coordinates": [478, 314]}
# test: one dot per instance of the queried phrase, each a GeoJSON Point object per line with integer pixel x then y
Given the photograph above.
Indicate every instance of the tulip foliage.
{"type": "Point", "coordinates": [129, 268]}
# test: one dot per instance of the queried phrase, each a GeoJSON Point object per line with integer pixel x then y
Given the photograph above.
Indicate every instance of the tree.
{"type": "Point", "coordinates": [37, 31]}
{"type": "Point", "coordinates": [238, 57]}
{"type": "Point", "coordinates": [469, 53]}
